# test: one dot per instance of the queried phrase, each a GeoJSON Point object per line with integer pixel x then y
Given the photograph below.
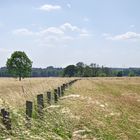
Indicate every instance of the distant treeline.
{"type": "Point", "coordinates": [37, 72]}
{"type": "Point", "coordinates": [79, 70]}
{"type": "Point", "coordinates": [94, 70]}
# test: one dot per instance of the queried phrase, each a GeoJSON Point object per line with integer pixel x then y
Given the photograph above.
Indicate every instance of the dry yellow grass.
{"type": "Point", "coordinates": [15, 93]}
{"type": "Point", "coordinates": [92, 109]}
{"type": "Point", "coordinates": [104, 108]}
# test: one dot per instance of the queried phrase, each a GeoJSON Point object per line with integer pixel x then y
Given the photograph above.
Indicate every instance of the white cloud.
{"type": "Point", "coordinates": [51, 30]}
{"type": "Point", "coordinates": [125, 36]}
{"type": "Point", "coordinates": [22, 31]}
{"type": "Point", "coordinates": [68, 5]}
{"type": "Point", "coordinates": [49, 7]}
{"type": "Point", "coordinates": [68, 26]}
{"type": "Point", "coordinates": [61, 35]}
{"type": "Point", "coordinates": [55, 36]}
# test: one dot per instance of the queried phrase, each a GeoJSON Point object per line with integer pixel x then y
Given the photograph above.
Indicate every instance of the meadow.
{"type": "Point", "coordinates": [92, 109]}
{"type": "Point", "coordinates": [15, 93]}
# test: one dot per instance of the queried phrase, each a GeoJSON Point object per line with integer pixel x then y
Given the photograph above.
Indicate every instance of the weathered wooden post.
{"type": "Point", "coordinates": [40, 104]}
{"type": "Point", "coordinates": [62, 91]}
{"type": "Point", "coordinates": [55, 96]}
{"type": "Point", "coordinates": [49, 97]}
{"type": "Point", "coordinates": [29, 110]}
{"type": "Point", "coordinates": [59, 92]}
{"type": "Point", "coordinates": [6, 119]}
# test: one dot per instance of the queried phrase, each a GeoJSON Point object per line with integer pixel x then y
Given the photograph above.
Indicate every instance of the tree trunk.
{"type": "Point", "coordinates": [19, 78]}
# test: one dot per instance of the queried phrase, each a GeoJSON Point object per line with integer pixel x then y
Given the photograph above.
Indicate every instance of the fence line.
{"type": "Point", "coordinates": [59, 92]}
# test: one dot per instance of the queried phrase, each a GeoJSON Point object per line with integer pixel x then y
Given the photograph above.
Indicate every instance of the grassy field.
{"type": "Point", "coordinates": [15, 93]}
{"type": "Point", "coordinates": [106, 108]}
{"type": "Point", "coordinates": [92, 109]}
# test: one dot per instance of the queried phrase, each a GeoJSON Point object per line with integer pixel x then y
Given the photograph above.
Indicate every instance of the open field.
{"type": "Point", "coordinates": [15, 93]}
{"type": "Point", "coordinates": [106, 108]}
{"type": "Point", "coordinates": [92, 109]}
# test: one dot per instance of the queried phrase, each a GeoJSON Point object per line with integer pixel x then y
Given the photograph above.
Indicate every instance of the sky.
{"type": "Point", "coordinates": [63, 32]}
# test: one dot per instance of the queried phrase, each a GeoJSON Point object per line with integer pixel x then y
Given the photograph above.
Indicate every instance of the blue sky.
{"type": "Point", "coordinates": [63, 32]}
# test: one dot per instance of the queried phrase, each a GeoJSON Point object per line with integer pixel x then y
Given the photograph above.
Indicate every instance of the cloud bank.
{"type": "Point", "coordinates": [54, 36]}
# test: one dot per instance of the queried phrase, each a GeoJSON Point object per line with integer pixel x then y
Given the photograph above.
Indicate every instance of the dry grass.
{"type": "Point", "coordinates": [105, 108]}
{"type": "Point", "coordinates": [15, 93]}
{"type": "Point", "coordinates": [92, 109]}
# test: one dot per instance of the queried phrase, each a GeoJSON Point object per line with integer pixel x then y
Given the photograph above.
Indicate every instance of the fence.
{"type": "Point", "coordinates": [57, 93]}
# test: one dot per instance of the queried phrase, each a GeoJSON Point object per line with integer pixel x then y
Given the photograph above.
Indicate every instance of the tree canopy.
{"type": "Point", "coordinates": [19, 65]}
{"type": "Point", "coordinates": [70, 71]}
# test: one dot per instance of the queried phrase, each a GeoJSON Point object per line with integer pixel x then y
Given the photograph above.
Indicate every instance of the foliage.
{"type": "Point", "coordinates": [80, 67]}
{"type": "Point", "coordinates": [19, 65]}
{"type": "Point", "coordinates": [131, 74]}
{"type": "Point", "coordinates": [83, 70]}
{"type": "Point", "coordinates": [102, 75]}
{"type": "Point", "coordinates": [70, 71]}
{"type": "Point", "coordinates": [120, 74]}
{"type": "Point", "coordinates": [78, 70]}
{"type": "Point", "coordinates": [47, 72]}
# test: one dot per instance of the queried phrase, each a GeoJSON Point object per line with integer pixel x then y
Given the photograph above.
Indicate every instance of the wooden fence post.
{"type": "Point", "coordinates": [40, 104]}
{"type": "Point", "coordinates": [64, 87]}
{"type": "Point", "coordinates": [6, 119]}
{"type": "Point", "coordinates": [29, 110]}
{"type": "Point", "coordinates": [59, 92]}
{"type": "Point", "coordinates": [55, 96]}
{"type": "Point", "coordinates": [62, 91]}
{"type": "Point", "coordinates": [49, 97]}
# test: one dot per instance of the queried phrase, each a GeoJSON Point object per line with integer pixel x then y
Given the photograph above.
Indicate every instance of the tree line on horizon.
{"type": "Point", "coordinates": [19, 65]}
{"type": "Point", "coordinates": [94, 70]}
{"type": "Point", "coordinates": [78, 70]}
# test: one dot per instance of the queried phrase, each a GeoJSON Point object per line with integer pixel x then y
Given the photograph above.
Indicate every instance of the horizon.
{"type": "Point", "coordinates": [85, 64]}
{"type": "Point", "coordinates": [63, 32]}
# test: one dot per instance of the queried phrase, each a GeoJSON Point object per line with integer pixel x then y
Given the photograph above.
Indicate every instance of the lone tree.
{"type": "Point", "coordinates": [19, 65]}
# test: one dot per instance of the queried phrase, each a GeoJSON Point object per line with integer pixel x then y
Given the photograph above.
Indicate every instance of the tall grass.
{"type": "Point", "coordinates": [93, 108]}
{"type": "Point", "coordinates": [15, 93]}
